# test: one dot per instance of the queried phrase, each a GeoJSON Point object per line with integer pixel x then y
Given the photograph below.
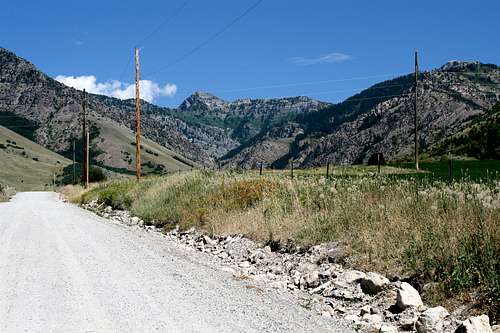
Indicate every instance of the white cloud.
{"type": "Point", "coordinates": [329, 58]}
{"type": "Point", "coordinates": [78, 42]}
{"type": "Point", "coordinates": [149, 90]}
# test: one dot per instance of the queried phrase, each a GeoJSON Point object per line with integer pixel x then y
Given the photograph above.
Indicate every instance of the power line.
{"type": "Point", "coordinates": [176, 12]}
{"type": "Point", "coordinates": [297, 84]}
{"type": "Point", "coordinates": [286, 85]}
{"type": "Point", "coordinates": [125, 68]}
{"type": "Point", "coordinates": [210, 39]}
{"type": "Point", "coordinates": [158, 28]}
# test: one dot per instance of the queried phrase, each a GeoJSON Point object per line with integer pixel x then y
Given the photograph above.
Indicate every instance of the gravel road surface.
{"type": "Point", "coordinates": [63, 269]}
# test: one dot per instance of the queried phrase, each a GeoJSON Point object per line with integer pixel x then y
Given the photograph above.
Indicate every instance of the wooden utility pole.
{"type": "Point", "coordinates": [84, 137]}
{"type": "Point", "coordinates": [415, 119]}
{"type": "Point", "coordinates": [137, 118]}
{"type": "Point", "coordinates": [74, 162]}
{"type": "Point", "coordinates": [87, 160]}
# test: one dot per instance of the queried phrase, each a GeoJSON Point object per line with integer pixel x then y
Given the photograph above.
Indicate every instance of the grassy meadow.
{"type": "Point", "coordinates": [412, 226]}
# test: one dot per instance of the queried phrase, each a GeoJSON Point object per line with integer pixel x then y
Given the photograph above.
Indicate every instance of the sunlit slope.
{"type": "Point", "coordinates": [117, 151]}
{"type": "Point", "coordinates": [26, 165]}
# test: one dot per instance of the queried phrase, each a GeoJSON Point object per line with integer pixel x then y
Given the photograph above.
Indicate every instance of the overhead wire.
{"type": "Point", "coordinates": [170, 18]}
{"type": "Point", "coordinates": [208, 40]}
{"type": "Point", "coordinates": [151, 34]}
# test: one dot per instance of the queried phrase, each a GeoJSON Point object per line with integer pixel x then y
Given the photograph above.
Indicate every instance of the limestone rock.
{"type": "Point", "coordinates": [431, 320]}
{"type": "Point", "coordinates": [385, 328]}
{"type": "Point", "coordinates": [373, 283]}
{"type": "Point", "coordinates": [479, 324]}
{"type": "Point", "coordinates": [408, 297]}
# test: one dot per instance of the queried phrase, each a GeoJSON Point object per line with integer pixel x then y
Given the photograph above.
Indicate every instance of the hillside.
{"type": "Point", "coordinates": [48, 112]}
{"type": "Point", "coordinates": [479, 139]}
{"type": "Point", "coordinates": [26, 165]}
{"type": "Point", "coordinates": [379, 119]}
{"type": "Point", "coordinates": [203, 128]}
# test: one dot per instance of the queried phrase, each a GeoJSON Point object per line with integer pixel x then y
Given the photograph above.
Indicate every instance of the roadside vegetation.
{"type": "Point", "coordinates": [419, 228]}
{"type": "Point", "coordinates": [6, 193]}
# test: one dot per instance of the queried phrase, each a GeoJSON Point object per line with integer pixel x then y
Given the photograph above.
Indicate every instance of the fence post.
{"type": "Point", "coordinates": [327, 170]}
{"type": "Point", "coordinates": [292, 170]}
{"type": "Point", "coordinates": [260, 170]}
{"type": "Point", "coordinates": [450, 177]}
{"type": "Point", "coordinates": [378, 162]}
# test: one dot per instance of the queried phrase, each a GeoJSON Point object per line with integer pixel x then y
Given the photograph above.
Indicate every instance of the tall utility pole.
{"type": "Point", "coordinates": [74, 166]}
{"type": "Point", "coordinates": [415, 119]}
{"type": "Point", "coordinates": [87, 160]}
{"type": "Point", "coordinates": [137, 118]}
{"type": "Point", "coordinates": [84, 137]}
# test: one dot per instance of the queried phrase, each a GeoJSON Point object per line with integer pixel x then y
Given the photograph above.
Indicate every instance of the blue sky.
{"type": "Point", "coordinates": [281, 48]}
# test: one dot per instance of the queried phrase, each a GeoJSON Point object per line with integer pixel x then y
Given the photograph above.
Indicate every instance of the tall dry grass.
{"type": "Point", "coordinates": [448, 233]}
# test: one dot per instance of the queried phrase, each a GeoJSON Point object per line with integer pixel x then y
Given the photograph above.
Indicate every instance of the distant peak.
{"type": "Point", "coordinates": [201, 99]}
{"type": "Point", "coordinates": [458, 65]}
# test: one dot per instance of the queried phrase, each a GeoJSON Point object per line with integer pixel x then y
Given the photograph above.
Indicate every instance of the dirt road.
{"type": "Point", "coordinates": [63, 269]}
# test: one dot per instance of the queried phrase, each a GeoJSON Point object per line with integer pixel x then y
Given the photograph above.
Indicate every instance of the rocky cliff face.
{"type": "Point", "coordinates": [203, 128]}
{"type": "Point", "coordinates": [449, 99]}
{"type": "Point", "coordinates": [245, 132]}
{"type": "Point", "coordinates": [379, 119]}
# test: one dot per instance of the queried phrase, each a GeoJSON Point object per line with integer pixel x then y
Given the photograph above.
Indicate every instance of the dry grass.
{"type": "Point", "coordinates": [6, 193]}
{"type": "Point", "coordinates": [73, 193]}
{"type": "Point", "coordinates": [448, 233]}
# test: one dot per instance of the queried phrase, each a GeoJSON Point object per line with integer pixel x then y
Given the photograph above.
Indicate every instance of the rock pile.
{"type": "Point", "coordinates": [368, 301]}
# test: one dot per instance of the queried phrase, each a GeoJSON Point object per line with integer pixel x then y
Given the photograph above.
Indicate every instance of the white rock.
{"type": "Point", "coordinates": [365, 309]}
{"type": "Point", "coordinates": [244, 264]}
{"type": "Point", "coordinates": [373, 283]}
{"type": "Point", "coordinates": [351, 276]}
{"type": "Point", "coordinates": [209, 241]}
{"type": "Point", "coordinates": [431, 320]}
{"type": "Point", "coordinates": [373, 322]}
{"type": "Point", "coordinates": [408, 297]}
{"type": "Point", "coordinates": [311, 279]}
{"type": "Point", "coordinates": [385, 328]}
{"type": "Point", "coordinates": [352, 318]}
{"type": "Point", "coordinates": [479, 324]}
{"type": "Point", "coordinates": [495, 328]}
{"type": "Point", "coordinates": [319, 289]}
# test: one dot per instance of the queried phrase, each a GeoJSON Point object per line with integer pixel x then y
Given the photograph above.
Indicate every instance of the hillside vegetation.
{"type": "Point", "coordinates": [416, 228]}
{"type": "Point", "coordinates": [26, 165]}
{"type": "Point", "coordinates": [480, 140]}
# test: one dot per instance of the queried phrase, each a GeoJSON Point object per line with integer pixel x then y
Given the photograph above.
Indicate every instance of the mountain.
{"type": "Point", "coordinates": [205, 129]}
{"type": "Point", "coordinates": [378, 119]}
{"type": "Point", "coordinates": [49, 112]}
{"type": "Point", "coordinates": [26, 165]}
{"type": "Point", "coordinates": [199, 131]}
{"type": "Point", "coordinates": [240, 120]}
{"type": "Point", "coordinates": [479, 139]}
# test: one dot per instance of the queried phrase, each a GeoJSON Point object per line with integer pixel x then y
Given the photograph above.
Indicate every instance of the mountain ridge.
{"type": "Point", "coordinates": [242, 133]}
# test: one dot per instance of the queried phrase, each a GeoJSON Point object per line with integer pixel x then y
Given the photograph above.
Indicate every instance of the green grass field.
{"type": "Point", "coordinates": [475, 170]}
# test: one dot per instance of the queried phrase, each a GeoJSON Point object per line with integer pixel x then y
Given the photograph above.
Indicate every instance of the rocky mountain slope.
{"type": "Point", "coordinates": [379, 119]}
{"type": "Point", "coordinates": [209, 130]}
{"type": "Point", "coordinates": [203, 128]}
{"type": "Point", "coordinates": [50, 113]}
